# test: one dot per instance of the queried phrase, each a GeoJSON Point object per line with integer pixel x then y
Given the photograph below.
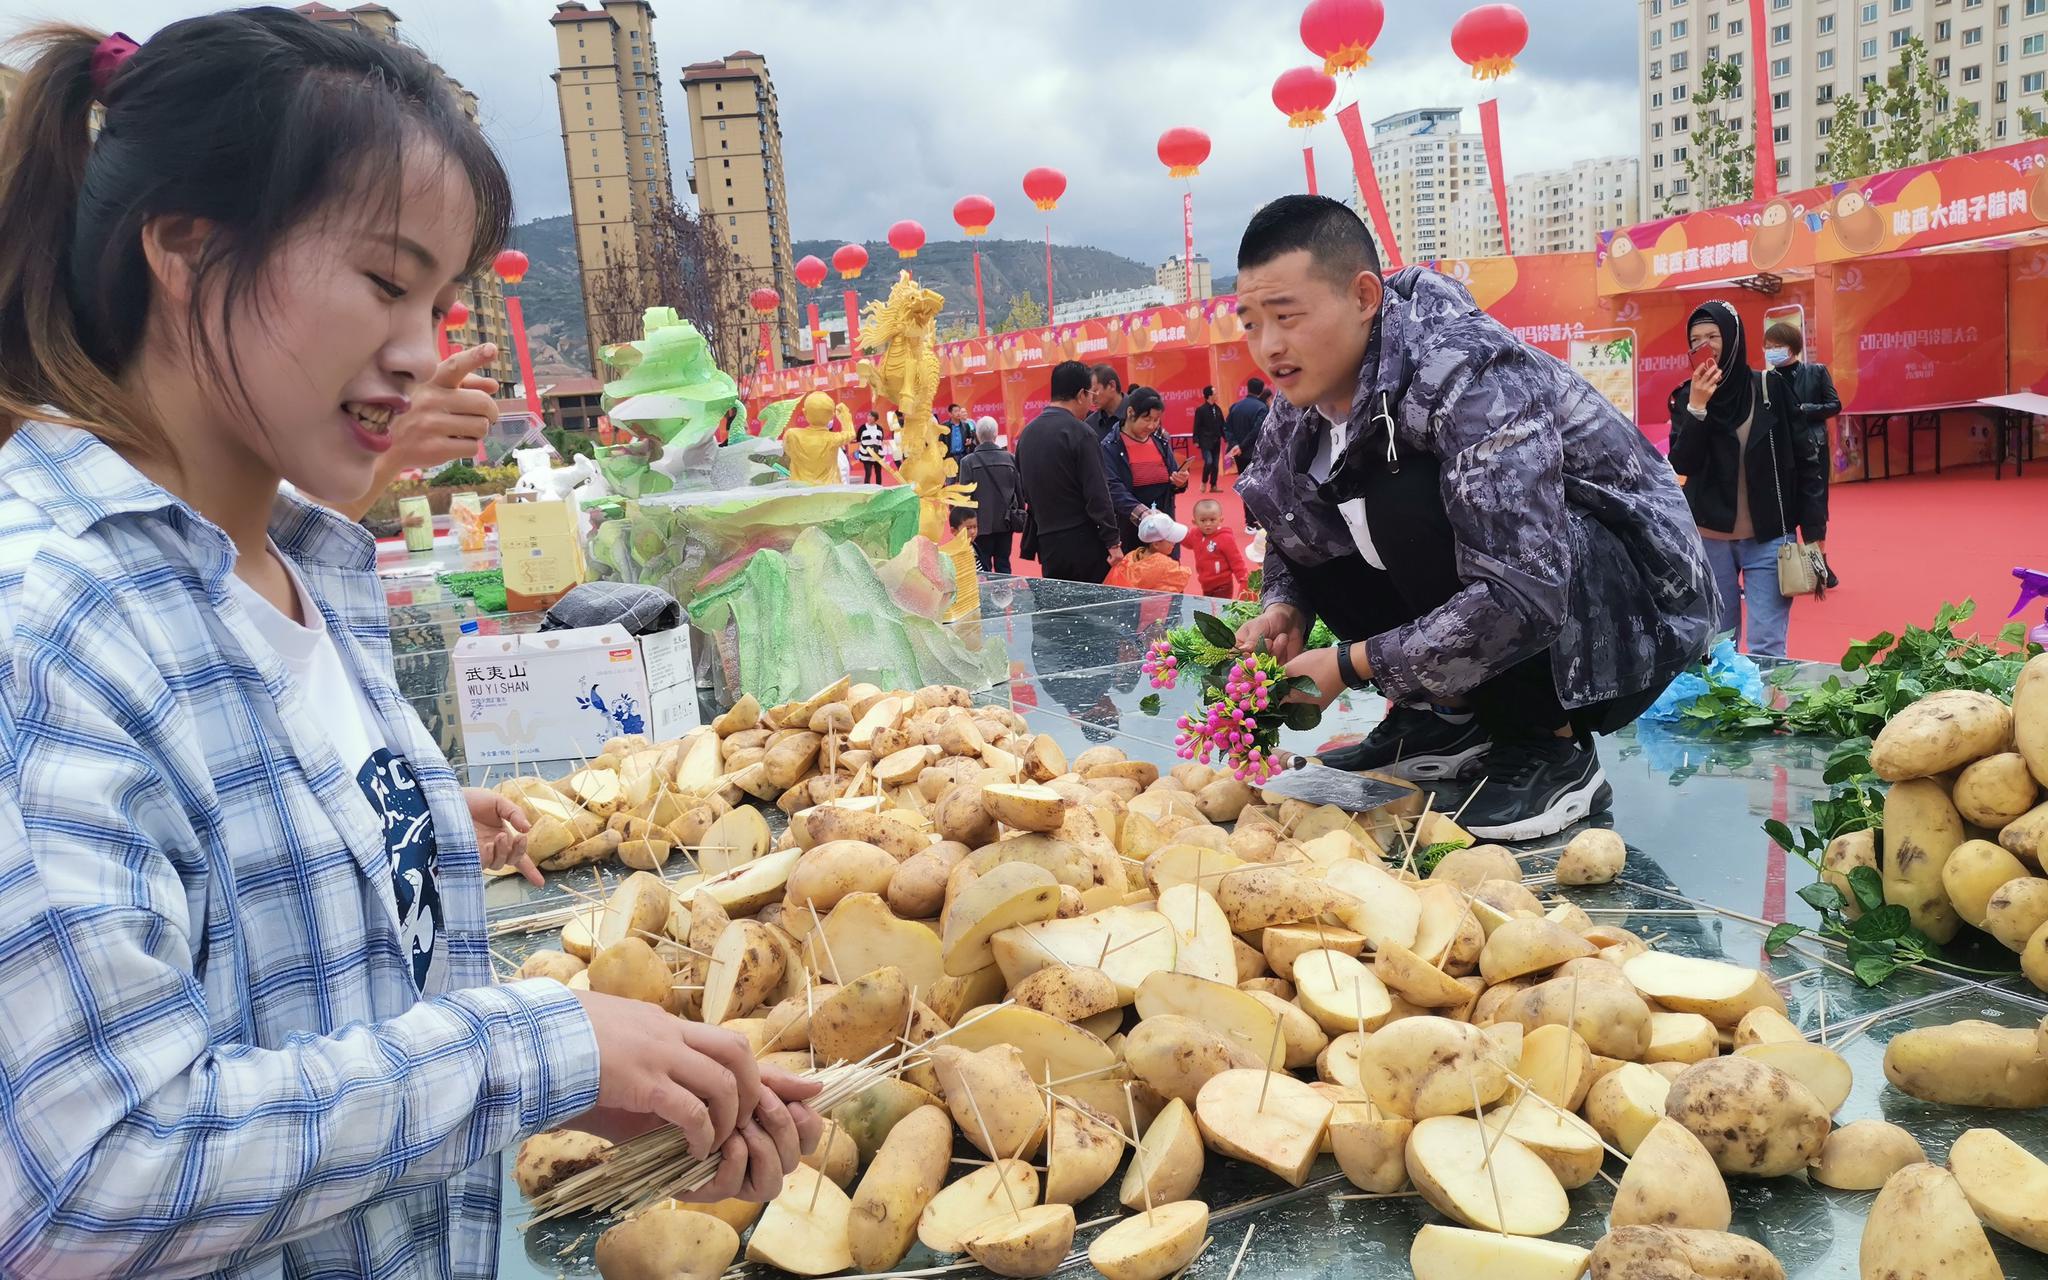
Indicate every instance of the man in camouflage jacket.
{"type": "Point", "coordinates": [1502, 553]}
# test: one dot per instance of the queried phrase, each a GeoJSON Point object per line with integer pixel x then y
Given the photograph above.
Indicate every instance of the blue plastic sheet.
{"type": "Point", "coordinates": [1724, 666]}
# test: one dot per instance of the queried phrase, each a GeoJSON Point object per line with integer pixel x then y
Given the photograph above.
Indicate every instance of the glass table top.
{"type": "Point", "coordinates": [1691, 812]}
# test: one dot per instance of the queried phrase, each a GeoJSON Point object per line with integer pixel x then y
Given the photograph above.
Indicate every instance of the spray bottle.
{"type": "Point", "coordinates": [2033, 586]}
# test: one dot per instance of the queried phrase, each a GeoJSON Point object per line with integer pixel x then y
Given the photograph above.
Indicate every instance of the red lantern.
{"type": "Point", "coordinates": [764, 300]}
{"type": "Point", "coordinates": [1045, 187]}
{"type": "Point", "coordinates": [510, 264]}
{"type": "Point", "coordinates": [849, 260]}
{"type": "Point", "coordinates": [906, 238]}
{"type": "Point", "coordinates": [1182, 151]}
{"type": "Point", "coordinates": [1302, 94]}
{"type": "Point", "coordinates": [810, 271]}
{"type": "Point", "coordinates": [1488, 38]}
{"type": "Point", "coordinates": [458, 315]}
{"type": "Point", "coordinates": [1341, 32]}
{"type": "Point", "coordinates": [974, 213]}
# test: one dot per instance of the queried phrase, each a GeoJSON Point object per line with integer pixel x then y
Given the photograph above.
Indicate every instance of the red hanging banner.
{"type": "Point", "coordinates": [1308, 163]}
{"type": "Point", "coordinates": [1048, 273]}
{"type": "Point", "coordinates": [852, 304]}
{"type": "Point", "coordinates": [515, 317]}
{"type": "Point", "coordinates": [980, 305]}
{"type": "Point", "coordinates": [1369, 183]}
{"type": "Point", "coordinates": [1489, 134]}
{"type": "Point", "coordinates": [818, 349]}
{"type": "Point", "coordinates": [1760, 90]}
{"type": "Point", "coordinates": [1187, 233]}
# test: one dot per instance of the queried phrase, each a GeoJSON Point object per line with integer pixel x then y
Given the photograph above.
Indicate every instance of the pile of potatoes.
{"type": "Point", "coordinates": [1965, 819]}
{"type": "Point", "coordinates": [1113, 985]}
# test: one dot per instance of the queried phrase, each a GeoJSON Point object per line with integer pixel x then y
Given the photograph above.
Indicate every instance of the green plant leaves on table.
{"type": "Point", "coordinates": [1149, 704]}
{"type": "Point", "coordinates": [1215, 630]}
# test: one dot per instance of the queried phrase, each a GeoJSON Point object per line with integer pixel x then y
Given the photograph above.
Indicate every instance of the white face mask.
{"type": "Point", "coordinates": [1775, 356]}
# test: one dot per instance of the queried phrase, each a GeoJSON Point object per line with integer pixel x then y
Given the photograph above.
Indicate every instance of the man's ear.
{"type": "Point", "coordinates": [1368, 289]}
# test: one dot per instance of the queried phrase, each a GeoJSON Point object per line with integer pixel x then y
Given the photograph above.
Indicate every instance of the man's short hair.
{"type": "Point", "coordinates": [1070, 380]}
{"type": "Point", "coordinates": [952, 408]}
{"type": "Point", "coordinates": [1106, 376]}
{"type": "Point", "coordinates": [986, 431]}
{"type": "Point", "coordinates": [958, 516]}
{"type": "Point", "coordinates": [1207, 392]}
{"type": "Point", "coordinates": [1255, 387]}
{"type": "Point", "coordinates": [1784, 334]}
{"type": "Point", "coordinates": [1334, 236]}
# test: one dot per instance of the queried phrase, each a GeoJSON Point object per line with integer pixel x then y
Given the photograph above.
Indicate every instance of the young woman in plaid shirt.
{"type": "Point", "coordinates": [251, 1027]}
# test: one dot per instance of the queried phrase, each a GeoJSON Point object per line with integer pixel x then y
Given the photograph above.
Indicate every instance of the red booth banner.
{"type": "Point", "coordinates": [971, 356]}
{"type": "Point", "coordinates": [1713, 245]}
{"type": "Point", "coordinates": [1026, 391]}
{"type": "Point", "coordinates": [1917, 333]}
{"type": "Point", "coordinates": [2027, 313]}
{"type": "Point", "coordinates": [1157, 328]}
{"type": "Point", "coordinates": [1220, 316]}
{"type": "Point", "coordinates": [1023, 349]}
{"type": "Point", "coordinates": [1233, 367]}
{"type": "Point", "coordinates": [1178, 374]}
{"type": "Point", "coordinates": [1087, 341]}
{"type": "Point", "coordinates": [1958, 201]}
{"type": "Point", "coordinates": [979, 395]}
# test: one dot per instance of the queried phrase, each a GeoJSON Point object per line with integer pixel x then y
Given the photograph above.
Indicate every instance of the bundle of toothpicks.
{"type": "Point", "coordinates": [657, 1166]}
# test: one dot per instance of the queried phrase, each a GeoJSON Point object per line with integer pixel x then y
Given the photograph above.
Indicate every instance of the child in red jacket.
{"type": "Point", "coordinates": [1219, 565]}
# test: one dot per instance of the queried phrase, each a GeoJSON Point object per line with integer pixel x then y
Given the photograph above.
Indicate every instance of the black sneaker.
{"type": "Point", "coordinates": [1536, 787]}
{"type": "Point", "coordinates": [1413, 743]}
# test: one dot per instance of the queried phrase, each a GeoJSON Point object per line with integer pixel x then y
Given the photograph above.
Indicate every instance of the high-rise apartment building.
{"type": "Point", "coordinates": [1992, 53]}
{"type": "Point", "coordinates": [1564, 210]}
{"type": "Point", "coordinates": [1172, 276]}
{"type": "Point", "coordinates": [736, 146]}
{"type": "Point", "coordinates": [485, 295]}
{"type": "Point", "coordinates": [615, 148]}
{"type": "Point", "coordinates": [1432, 175]}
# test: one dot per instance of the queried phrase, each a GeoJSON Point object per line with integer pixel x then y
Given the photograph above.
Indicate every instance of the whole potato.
{"type": "Point", "coordinates": [1177, 1055]}
{"type": "Point", "coordinates": [1467, 868]}
{"type": "Point", "coordinates": [2027, 835]}
{"type": "Point", "coordinates": [549, 963]}
{"type": "Point", "coordinates": [1752, 1118]}
{"type": "Point", "coordinates": [1921, 830]}
{"type": "Point", "coordinates": [2030, 716]}
{"type": "Point", "coordinates": [917, 887]}
{"type": "Point", "coordinates": [1975, 871]}
{"type": "Point", "coordinates": [2015, 910]}
{"type": "Point", "coordinates": [1845, 853]}
{"type": "Point", "coordinates": [665, 1243]}
{"type": "Point", "coordinates": [1969, 1064]}
{"type": "Point", "coordinates": [1594, 856]}
{"type": "Point", "coordinates": [1995, 790]}
{"type": "Point", "coordinates": [838, 869]}
{"type": "Point", "coordinates": [1861, 1155]}
{"type": "Point", "coordinates": [1942, 731]}
{"type": "Point", "coordinates": [1428, 1066]}
{"type": "Point", "coordinates": [1614, 1022]}
{"type": "Point", "coordinates": [1681, 1253]}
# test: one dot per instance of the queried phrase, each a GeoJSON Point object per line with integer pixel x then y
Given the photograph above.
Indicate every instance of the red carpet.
{"type": "Point", "coordinates": [1901, 547]}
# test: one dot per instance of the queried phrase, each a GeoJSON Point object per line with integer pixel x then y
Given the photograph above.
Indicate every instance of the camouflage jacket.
{"type": "Point", "coordinates": [1572, 532]}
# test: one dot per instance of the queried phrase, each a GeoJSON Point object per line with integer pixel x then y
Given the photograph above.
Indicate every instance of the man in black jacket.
{"type": "Point", "coordinates": [1070, 528]}
{"type": "Point", "coordinates": [1209, 437]}
{"type": "Point", "coordinates": [1247, 416]}
{"type": "Point", "coordinates": [1813, 389]}
{"type": "Point", "coordinates": [1107, 395]}
{"type": "Point", "coordinates": [998, 495]}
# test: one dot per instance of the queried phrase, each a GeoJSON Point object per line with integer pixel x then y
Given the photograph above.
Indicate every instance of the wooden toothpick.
{"type": "Point", "coordinates": [818, 931]}
{"type": "Point", "coordinates": [1500, 1215]}
{"type": "Point", "coordinates": [989, 1144]}
{"type": "Point", "coordinates": [1239, 1260]}
{"type": "Point", "coordinates": [1271, 1071]}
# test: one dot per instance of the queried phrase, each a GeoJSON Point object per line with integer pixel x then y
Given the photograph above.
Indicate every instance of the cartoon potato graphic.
{"type": "Point", "coordinates": [1858, 226]}
{"type": "Point", "coordinates": [1625, 261]}
{"type": "Point", "coordinates": [2039, 193]}
{"type": "Point", "coordinates": [1771, 242]}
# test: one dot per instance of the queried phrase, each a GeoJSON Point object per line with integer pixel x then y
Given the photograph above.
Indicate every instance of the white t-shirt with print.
{"type": "Point", "coordinates": [383, 778]}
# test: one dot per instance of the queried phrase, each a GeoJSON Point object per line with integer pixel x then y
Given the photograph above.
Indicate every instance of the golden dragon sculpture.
{"type": "Point", "coordinates": [903, 331]}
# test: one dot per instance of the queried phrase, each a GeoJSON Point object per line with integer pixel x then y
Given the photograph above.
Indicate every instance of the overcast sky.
{"type": "Point", "coordinates": [995, 89]}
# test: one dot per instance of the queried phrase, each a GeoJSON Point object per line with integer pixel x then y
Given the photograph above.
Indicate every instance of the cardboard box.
{"type": "Point", "coordinates": [558, 695]}
{"type": "Point", "coordinates": [540, 552]}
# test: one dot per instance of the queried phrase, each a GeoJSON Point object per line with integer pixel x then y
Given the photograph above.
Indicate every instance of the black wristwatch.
{"type": "Point", "coordinates": [1345, 670]}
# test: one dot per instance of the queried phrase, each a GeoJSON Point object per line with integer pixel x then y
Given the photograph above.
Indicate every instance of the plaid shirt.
{"type": "Point", "coordinates": [214, 1059]}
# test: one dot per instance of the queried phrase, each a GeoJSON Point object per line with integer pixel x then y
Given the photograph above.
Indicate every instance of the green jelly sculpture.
{"type": "Point", "coordinates": [671, 395]}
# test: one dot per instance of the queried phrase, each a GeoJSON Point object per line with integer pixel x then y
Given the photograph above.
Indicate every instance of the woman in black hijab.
{"type": "Point", "coordinates": [1747, 480]}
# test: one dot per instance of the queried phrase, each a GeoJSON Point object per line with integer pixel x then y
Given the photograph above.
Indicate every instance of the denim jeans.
{"type": "Point", "coordinates": [1746, 572]}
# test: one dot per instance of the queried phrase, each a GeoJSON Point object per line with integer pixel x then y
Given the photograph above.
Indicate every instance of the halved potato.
{"type": "Point", "coordinates": [1339, 993]}
{"type": "Point", "coordinates": [1236, 1015]}
{"type": "Point", "coordinates": [1456, 1253]}
{"type": "Point", "coordinates": [1720, 992]}
{"type": "Point", "coordinates": [1490, 1183]}
{"type": "Point", "coordinates": [1014, 893]}
{"type": "Point", "coordinates": [971, 1200]}
{"type": "Point", "coordinates": [1168, 1162]}
{"type": "Point", "coordinates": [804, 1229]}
{"type": "Point", "coordinates": [1147, 1246]}
{"type": "Point", "coordinates": [1820, 1069]}
{"type": "Point", "coordinates": [1265, 1118]}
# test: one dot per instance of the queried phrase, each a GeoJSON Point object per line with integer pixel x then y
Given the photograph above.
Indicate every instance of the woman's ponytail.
{"type": "Point", "coordinates": [44, 144]}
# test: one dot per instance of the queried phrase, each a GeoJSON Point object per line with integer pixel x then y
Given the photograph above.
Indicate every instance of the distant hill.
{"type": "Point", "coordinates": [553, 298]}
{"type": "Point", "coordinates": [1007, 268]}
{"type": "Point", "coordinates": [552, 295]}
